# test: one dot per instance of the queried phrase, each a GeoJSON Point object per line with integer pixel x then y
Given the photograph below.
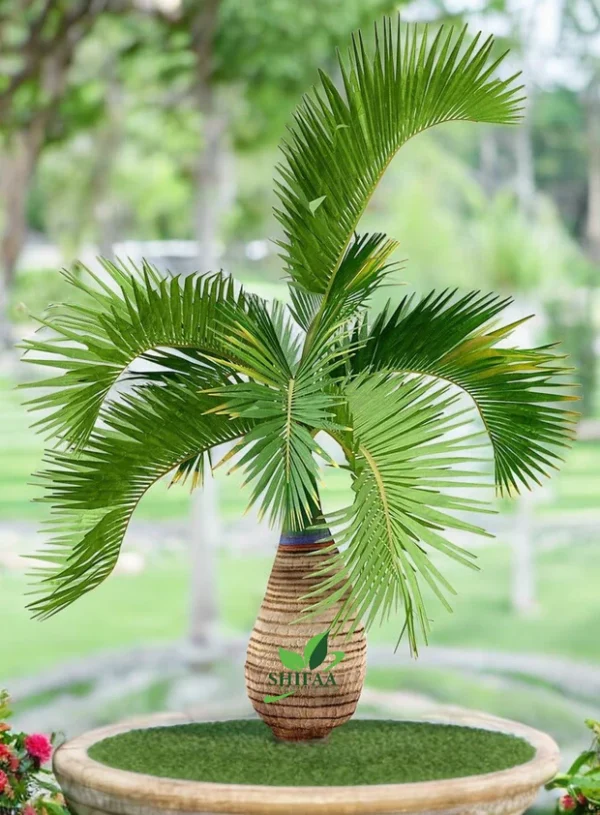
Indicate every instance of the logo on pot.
{"type": "Point", "coordinates": [300, 670]}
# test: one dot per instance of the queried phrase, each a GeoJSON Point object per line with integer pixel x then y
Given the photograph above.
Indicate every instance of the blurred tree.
{"type": "Point", "coordinates": [480, 238]}
{"type": "Point", "coordinates": [570, 317]}
{"type": "Point", "coordinates": [580, 41]}
{"type": "Point", "coordinates": [251, 58]}
{"type": "Point", "coordinates": [129, 172]}
{"type": "Point", "coordinates": [560, 153]}
{"type": "Point", "coordinates": [38, 41]}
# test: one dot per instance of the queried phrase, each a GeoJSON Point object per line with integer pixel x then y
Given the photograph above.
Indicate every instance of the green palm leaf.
{"type": "Point", "coordinates": [94, 494]}
{"type": "Point", "coordinates": [127, 314]}
{"type": "Point", "coordinates": [520, 394]}
{"type": "Point", "coordinates": [341, 143]}
{"type": "Point", "coordinates": [289, 404]}
{"type": "Point", "coordinates": [154, 373]}
{"type": "Point", "coordinates": [408, 457]}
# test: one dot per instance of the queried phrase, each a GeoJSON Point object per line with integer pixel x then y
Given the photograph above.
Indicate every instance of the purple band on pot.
{"type": "Point", "coordinates": [319, 535]}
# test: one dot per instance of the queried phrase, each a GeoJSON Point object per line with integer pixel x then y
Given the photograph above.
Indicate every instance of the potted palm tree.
{"type": "Point", "coordinates": [271, 381]}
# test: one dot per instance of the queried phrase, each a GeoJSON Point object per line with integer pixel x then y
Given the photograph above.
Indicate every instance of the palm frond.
{"type": "Point", "coordinates": [411, 449]}
{"type": "Point", "coordinates": [522, 395]}
{"type": "Point", "coordinates": [363, 268]}
{"type": "Point", "coordinates": [128, 313]}
{"type": "Point", "coordinates": [219, 365]}
{"type": "Point", "coordinates": [94, 493]}
{"type": "Point", "coordinates": [289, 404]}
{"type": "Point", "coordinates": [340, 143]}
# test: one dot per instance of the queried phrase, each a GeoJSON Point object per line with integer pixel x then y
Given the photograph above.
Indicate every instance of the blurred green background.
{"type": "Point", "coordinates": [149, 129]}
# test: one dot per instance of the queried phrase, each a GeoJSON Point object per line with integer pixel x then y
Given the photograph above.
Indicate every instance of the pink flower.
{"type": "Point", "coordinates": [4, 727]}
{"type": "Point", "coordinates": [582, 799]}
{"type": "Point", "coordinates": [567, 803]}
{"type": "Point", "coordinates": [29, 810]}
{"type": "Point", "coordinates": [38, 746]}
{"type": "Point", "coordinates": [4, 753]}
{"type": "Point", "coordinates": [3, 781]}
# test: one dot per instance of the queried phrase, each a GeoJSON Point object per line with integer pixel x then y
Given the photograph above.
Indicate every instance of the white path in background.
{"type": "Point", "coordinates": [579, 680]}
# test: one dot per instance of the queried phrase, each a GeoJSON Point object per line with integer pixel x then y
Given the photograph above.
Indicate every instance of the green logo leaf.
{"type": "Point", "coordinates": [269, 699]}
{"type": "Point", "coordinates": [316, 650]}
{"type": "Point", "coordinates": [338, 657]}
{"type": "Point", "coordinates": [291, 660]}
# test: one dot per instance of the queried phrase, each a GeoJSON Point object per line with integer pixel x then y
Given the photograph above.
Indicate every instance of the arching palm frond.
{"type": "Point", "coordinates": [407, 458]}
{"type": "Point", "coordinates": [521, 394]}
{"type": "Point", "coordinates": [289, 403]}
{"type": "Point", "coordinates": [127, 314]}
{"type": "Point", "coordinates": [341, 142]}
{"type": "Point", "coordinates": [229, 368]}
{"type": "Point", "coordinates": [94, 493]}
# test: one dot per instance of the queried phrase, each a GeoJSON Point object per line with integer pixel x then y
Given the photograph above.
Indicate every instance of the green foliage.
{"type": "Point", "coordinates": [339, 147]}
{"type": "Point", "coordinates": [403, 454]}
{"type": "Point", "coordinates": [144, 436]}
{"type": "Point", "coordinates": [517, 392]}
{"type": "Point", "coordinates": [581, 781]}
{"type": "Point", "coordinates": [26, 786]}
{"type": "Point", "coordinates": [4, 705]}
{"type": "Point", "coordinates": [134, 316]}
{"type": "Point", "coordinates": [560, 151]}
{"type": "Point", "coordinates": [226, 367]}
{"type": "Point", "coordinates": [573, 319]}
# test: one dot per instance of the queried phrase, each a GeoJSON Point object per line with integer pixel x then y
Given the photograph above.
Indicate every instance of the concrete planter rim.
{"type": "Point", "coordinates": [83, 779]}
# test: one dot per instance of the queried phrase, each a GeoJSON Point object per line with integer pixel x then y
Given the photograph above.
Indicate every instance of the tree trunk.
{"type": "Point", "coordinates": [109, 140]}
{"type": "Point", "coordinates": [302, 697]}
{"type": "Point", "coordinates": [25, 146]}
{"type": "Point", "coordinates": [18, 166]}
{"type": "Point", "coordinates": [488, 159]}
{"type": "Point", "coordinates": [211, 180]}
{"type": "Point", "coordinates": [6, 338]}
{"type": "Point", "coordinates": [213, 187]}
{"type": "Point", "coordinates": [206, 531]}
{"type": "Point", "coordinates": [523, 560]}
{"type": "Point", "coordinates": [592, 228]}
{"type": "Point", "coordinates": [525, 173]}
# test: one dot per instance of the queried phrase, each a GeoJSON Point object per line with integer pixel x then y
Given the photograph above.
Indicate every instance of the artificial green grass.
{"type": "Point", "coordinates": [360, 752]}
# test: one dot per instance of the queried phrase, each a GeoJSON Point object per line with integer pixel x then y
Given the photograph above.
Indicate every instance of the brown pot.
{"type": "Point", "coordinates": [321, 697]}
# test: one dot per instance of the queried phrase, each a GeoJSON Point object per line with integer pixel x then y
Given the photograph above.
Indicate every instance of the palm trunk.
{"type": "Point", "coordinates": [312, 700]}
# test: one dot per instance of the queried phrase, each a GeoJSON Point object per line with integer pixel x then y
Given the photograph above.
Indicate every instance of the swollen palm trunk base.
{"type": "Point", "coordinates": [301, 680]}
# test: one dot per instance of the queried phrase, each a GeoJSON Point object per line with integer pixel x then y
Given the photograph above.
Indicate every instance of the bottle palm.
{"type": "Point", "coordinates": [232, 368]}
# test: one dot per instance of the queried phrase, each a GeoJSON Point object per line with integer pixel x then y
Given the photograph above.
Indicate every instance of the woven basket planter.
{"type": "Point", "coordinates": [317, 705]}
